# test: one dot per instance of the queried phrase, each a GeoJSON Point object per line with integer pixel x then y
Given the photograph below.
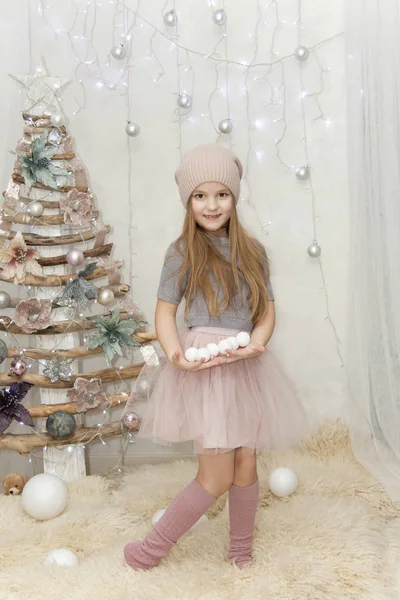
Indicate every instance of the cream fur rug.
{"type": "Point", "coordinates": [338, 537]}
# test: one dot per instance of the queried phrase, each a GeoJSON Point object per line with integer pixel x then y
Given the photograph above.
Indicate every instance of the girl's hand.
{"type": "Point", "coordinates": [251, 351]}
{"type": "Point", "coordinates": [179, 362]}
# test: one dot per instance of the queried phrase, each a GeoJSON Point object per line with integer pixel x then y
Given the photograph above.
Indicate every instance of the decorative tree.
{"type": "Point", "coordinates": [52, 245]}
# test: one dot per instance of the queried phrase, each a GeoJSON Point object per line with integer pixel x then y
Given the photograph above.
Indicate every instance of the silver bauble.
{"type": "Point", "coordinates": [118, 52]}
{"type": "Point", "coordinates": [225, 126]}
{"type": "Point", "coordinates": [130, 421]}
{"type": "Point", "coordinates": [301, 53]}
{"type": "Point", "coordinates": [75, 257]}
{"type": "Point", "coordinates": [219, 17]}
{"type": "Point", "coordinates": [5, 300]}
{"type": "Point", "coordinates": [35, 209]}
{"type": "Point", "coordinates": [184, 101]}
{"type": "Point", "coordinates": [57, 119]}
{"type": "Point", "coordinates": [314, 250]}
{"type": "Point", "coordinates": [170, 18]}
{"type": "Point", "coordinates": [3, 351]}
{"type": "Point", "coordinates": [105, 296]}
{"type": "Point", "coordinates": [143, 387]}
{"type": "Point", "coordinates": [132, 129]}
{"type": "Point", "coordinates": [303, 172]}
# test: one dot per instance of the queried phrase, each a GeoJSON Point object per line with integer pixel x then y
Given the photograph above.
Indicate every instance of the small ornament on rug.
{"type": "Point", "coordinates": [79, 290]}
{"type": "Point", "coordinates": [11, 408]}
{"type": "Point", "coordinates": [17, 367]}
{"type": "Point", "coordinates": [14, 483]}
{"type": "Point", "coordinates": [19, 260]}
{"type": "Point", "coordinates": [114, 334]}
{"type": "Point", "coordinates": [60, 425]}
{"type": "Point", "coordinates": [33, 315]}
{"type": "Point", "coordinates": [87, 394]}
{"type": "Point", "coordinates": [283, 482]}
{"type": "Point", "coordinates": [78, 207]}
{"type": "Point", "coordinates": [38, 167]}
{"type": "Point", "coordinates": [62, 557]}
{"type": "Point", "coordinates": [58, 370]}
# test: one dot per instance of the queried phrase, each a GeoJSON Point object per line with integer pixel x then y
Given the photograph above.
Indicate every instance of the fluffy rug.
{"type": "Point", "coordinates": [338, 537]}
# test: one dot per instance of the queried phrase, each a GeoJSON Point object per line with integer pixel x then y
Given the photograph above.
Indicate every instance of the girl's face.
{"type": "Point", "coordinates": [212, 205]}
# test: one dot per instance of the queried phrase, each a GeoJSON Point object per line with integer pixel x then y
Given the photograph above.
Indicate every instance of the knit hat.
{"type": "Point", "coordinates": [208, 162]}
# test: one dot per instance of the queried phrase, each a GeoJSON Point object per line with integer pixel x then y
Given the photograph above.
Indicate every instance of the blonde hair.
{"type": "Point", "coordinates": [203, 263]}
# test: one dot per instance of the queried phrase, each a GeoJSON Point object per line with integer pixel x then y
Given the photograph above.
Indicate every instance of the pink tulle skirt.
{"type": "Point", "coordinates": [248, 403]}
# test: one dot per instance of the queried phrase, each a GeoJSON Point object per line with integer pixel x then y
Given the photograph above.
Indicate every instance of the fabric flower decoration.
{"type": "Point", "coordinates": [113, 335]}
{"type": "Point", "coordinates": [58, 370]}
{"type": "Point", "coordinates": [78, 207]}
{"type": "Point", "coordinates": [10, 407]}
{"type": "Point", "coordinates": [19, 260]}
{"type": "Point", "coordinates": [79, 290]}
{"type": "Point", "coordinates": [38, 167]}
{"type": "Point", "coordinates": [87, 394]}
{"type": "Point", "coordinates": [33, 314]}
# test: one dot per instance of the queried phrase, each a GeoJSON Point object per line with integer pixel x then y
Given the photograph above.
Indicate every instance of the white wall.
{"type": "Point", "coordinates": [133, 178]}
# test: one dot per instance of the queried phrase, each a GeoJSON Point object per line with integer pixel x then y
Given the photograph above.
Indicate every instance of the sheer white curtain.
{"type": "Point", "coordinates": [373, 357]}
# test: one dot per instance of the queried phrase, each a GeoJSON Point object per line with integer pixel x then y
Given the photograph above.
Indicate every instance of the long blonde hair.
{"type": "Point", "coordinates": [203, 263]}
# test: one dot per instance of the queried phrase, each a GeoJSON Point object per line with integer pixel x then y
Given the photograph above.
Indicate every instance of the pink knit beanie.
{"type": "Point", "coordinates": [208, 162]}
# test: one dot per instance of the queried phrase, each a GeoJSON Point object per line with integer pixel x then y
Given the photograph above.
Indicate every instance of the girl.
{"type": "Point", "coordinates": [231, 405]}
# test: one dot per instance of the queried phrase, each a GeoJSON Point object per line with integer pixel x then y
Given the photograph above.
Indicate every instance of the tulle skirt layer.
{"type": "Point", "coordinates": [248, 403]}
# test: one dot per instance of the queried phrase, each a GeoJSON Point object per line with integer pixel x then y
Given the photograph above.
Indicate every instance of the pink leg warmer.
{"type": "Point", "coordinates": [242, 513]}
{"type": "Point", "coordinates": [183, 512]}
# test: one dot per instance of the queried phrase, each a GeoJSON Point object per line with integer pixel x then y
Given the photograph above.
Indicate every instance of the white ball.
{"type": "Point", "coordinates": [61, 557]}
{"type": "Point", "coordinates": [191, 354]}
{"type": "Point", "coordinates": [44, 497]}
{"type": "Point", "coordinates": [202, 521]}
{"type": "Point", "coordinates": [243, 338]}
{"type": "Point", "coordinates": [213, 349]}
{"type": "Point", "coordinates": [234, 341]}
{"type": "Point", "coordinates": [224, 345]}
{"type": "Point", "coordinates": [57, 119]}
{"type": "Point", "coordinates": [283, 482]}
{"type": "Point", "coordinates": [203, 353]}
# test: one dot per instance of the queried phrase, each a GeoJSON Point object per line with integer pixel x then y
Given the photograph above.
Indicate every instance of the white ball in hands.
{"type": "Point", "coordinates": [243, 338]}
{"type": "Point", "coordinates": [225, 345]}
{"type": "Point", "coordinates": [204, 353]}
{"type": "Point", "coordinates": [234, 341]}
{"type": "Point", "coordinates": [283, 482]}
{"type": "Point", "coordinates": [191, 354]}
{"type": "Point", "coordinates": [213, 349]}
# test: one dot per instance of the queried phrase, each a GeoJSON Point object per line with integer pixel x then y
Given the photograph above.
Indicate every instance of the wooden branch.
{"type": "Point", "coordinates": [66, 156]}
{"type": "Point", "coordinates": [44, 410]}
{"type": "Point", "coordinates": [62, 260]}
{"type": "Point", "coordinates": [26, 115]}
{"type": "Point", "coordinates": [26, 219]}
{"type": "Point", "coordinates": [45, 203]}
{"type": "Point", "coordinates": [25, 443]}
{"type": "Point", "coordinates": [54, 280]}
{"type": "Point", "coordinates": [78, 352]}
{"type": "Point", "coordinates": [33, 239]}
{"type": "Point", "coordinates": [66, 188]}
{"type": "Point", "coordinates": [106, 375]}
{"type": "Point", "coordinates": [119, 289]}
{"type": "Point", "coordinates": [30, 130]}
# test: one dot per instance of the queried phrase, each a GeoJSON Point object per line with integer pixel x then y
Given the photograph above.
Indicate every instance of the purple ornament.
{"type": "Point", "coordinates": [75, 257]}
{"type": "Point", "coordinates": [17, 367]}
{"type": "Point", "coordinates": [130, 421]}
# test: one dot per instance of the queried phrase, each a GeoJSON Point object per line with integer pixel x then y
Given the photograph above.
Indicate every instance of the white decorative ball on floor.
{"type": "Point", "coordinates": [234, 341]}
{"type": "Point", "coordinates": [61, 557]}
{"type": "Point", "coordinates": [243, 338]}
{"type": "Point", "coordinates": [202, 521]}
{"type": "Point", "coordinates": [213, 349]}
{"type": "Point", "coordinates": [44, 497]}
{"type": "Point", "coordinates": [203, 353]}
{"type": "Point", "coordinates": [283, 482]}
{"type": "Point", "coordinates": [191, 354]}
{"type": "Point", "coordinates": [224, 345]}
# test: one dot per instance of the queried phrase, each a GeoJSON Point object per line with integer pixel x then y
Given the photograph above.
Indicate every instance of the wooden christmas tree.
{"type": "Point", "coordinates": [53, 247]}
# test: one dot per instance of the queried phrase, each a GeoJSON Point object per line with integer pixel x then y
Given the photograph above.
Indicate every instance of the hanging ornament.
{"type": "Point", "coordinates": [219, 17]}
{"type": "Point", "coordinates": [225, 126]}
{"type": "Point", "coordinates": [11, 408]}
{"type": "Point", "coordinates": [184, 101]}
{"type": "Point", "coordinates": [58, 370]}
{"type": "Point", "coordinates": [314, 250]}
{"type": "Point", "coordinates": [301, 53]}
{"type": "Point", "coordinates": [79, 290]}
{"type": "Point", "coordinates": [170, 18]}
{"type": "Point", "coordinates": [144, 387]}
{"type": "Point", "coordinates": [105, 296]}
{"type": "Point", "coordinates": [118, 51]}
{"type": "Point", "coordinates": [57, 119]}
{"type": "Point", "coordinates": [17, 367]}
{"type": "Point", "coordinates": [130, 421]}
{"type": "Point", "coordinates": [3, 351]}
{"type": "Point", "coordinates": [60, 425]}
{"type": "Point", "coordinates": [5, 300]}
{"type": "Point", "coordinates": [303, 172]}
{"type": "Point", "coordinates": [75, 257]}
{"type": "Point", "coordinates": [35, 209]}
{"type": "Point", "coordinates": [132, 129]}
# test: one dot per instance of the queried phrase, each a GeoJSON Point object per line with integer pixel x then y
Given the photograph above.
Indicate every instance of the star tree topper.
{"type": "Point", "coordinates": [41, 90]}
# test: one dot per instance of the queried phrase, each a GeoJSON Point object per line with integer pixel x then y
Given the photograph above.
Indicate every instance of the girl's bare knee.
{"type": "Point", "coordinates": [245, 468]}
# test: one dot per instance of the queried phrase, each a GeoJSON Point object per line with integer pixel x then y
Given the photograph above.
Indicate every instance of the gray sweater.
{"type": "Point", "coordinates": [236, 316]}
